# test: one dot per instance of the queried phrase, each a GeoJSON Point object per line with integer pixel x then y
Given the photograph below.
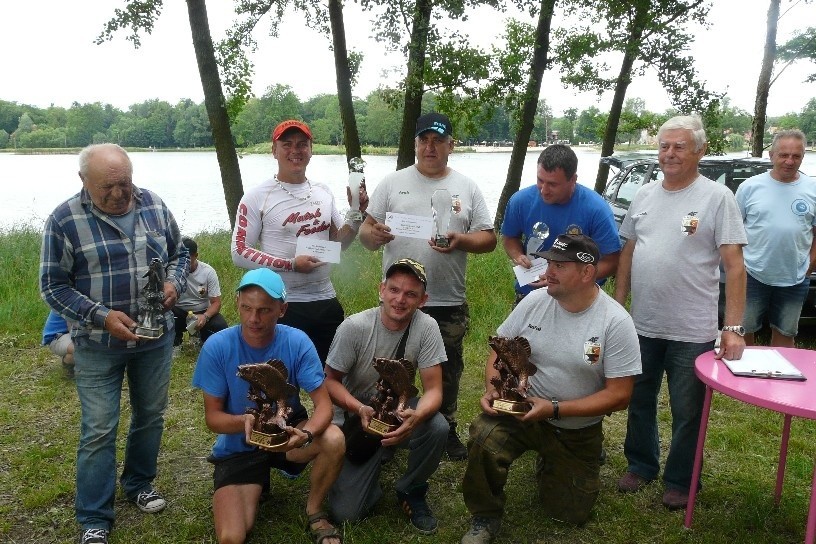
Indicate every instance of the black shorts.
{"type": "Point", "coordinates": [252, 467]}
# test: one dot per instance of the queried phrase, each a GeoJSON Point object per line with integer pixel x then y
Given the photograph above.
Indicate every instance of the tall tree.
{"type": "Point", "coordinates": [764, 81]}
{"type": "Point", "coordinates": [649, 34]}
{"type": "Point", "coordinates": [139, 16]}
{"type": "Point", "coordinates": [529, 104]}
{"type": "Point", "coordinates": [345, 78]}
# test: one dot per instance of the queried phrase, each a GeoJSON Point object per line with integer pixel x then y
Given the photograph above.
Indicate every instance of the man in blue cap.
{"type": "Point", "coordinates": [242, 470]}
{"type": "Point", "coordinates": [470, 230]}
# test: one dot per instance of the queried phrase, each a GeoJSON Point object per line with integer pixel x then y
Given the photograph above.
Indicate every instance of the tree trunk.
{"type": "Point", "coordinates": [764, 83]}
{"type": "Point", "coordinates": [351, 137]}
{"type": "Point", "coordinates": [216, 108]}
{"type": "Point", "coordinates": [539, 64]}
{"type": "Point", "coordinates": [414, 82]}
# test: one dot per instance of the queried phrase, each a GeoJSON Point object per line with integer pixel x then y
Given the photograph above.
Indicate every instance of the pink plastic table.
{"type": "Point", "coordinates": [789, 398]}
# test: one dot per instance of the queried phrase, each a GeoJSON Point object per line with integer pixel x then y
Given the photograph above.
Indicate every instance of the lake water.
{"type": "Point", "coordinates": [190, 182]}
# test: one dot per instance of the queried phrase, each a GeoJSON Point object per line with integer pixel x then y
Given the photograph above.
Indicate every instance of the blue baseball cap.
{"type": "Point", "coordinates": [436, 122]}
{"type": "Point", "coordinates": [267, 280]}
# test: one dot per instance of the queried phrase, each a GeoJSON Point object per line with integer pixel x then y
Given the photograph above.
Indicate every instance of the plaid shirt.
{"type": "Point", "coordinates": [88, 266]}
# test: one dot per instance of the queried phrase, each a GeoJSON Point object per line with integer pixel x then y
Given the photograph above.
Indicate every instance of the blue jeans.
{"type": "Point", "coordinates": [781, 305]}
{"type": "Point", "coordinates": [99, 375]}
{"type": "Point", "coordinates": [686, 392]}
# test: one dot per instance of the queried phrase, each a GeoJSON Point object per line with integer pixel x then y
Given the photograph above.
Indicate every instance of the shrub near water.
{"type": "Point", "coordinates": [39, 419]}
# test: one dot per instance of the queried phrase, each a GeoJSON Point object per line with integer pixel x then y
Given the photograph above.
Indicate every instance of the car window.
{"type": "Point", "coordinates": [633, 181]}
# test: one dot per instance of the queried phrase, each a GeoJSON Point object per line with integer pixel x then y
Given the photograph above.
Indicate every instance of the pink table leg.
{"type": "Point", "coordinates": [783, 459]}
{"type": "Point", "coordinates": [810, 532]}
{"type": "Point", "coordinates": [698, 457]}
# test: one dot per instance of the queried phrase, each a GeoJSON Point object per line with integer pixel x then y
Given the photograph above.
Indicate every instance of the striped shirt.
{"type": "Point", "coordinates": [89, 266]}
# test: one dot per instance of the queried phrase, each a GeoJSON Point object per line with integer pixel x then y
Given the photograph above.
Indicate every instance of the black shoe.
{"type": "Point", "coordinates": [414, 504]}
{"type": "Point", "coordinates": [94, 536]}
{"type": "Point", "coordinates": [456, 450]}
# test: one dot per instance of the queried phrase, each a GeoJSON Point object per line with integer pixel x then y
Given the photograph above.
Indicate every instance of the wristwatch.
{"type": "Point", "coordinates": [739, 329]}
{"type": "Point", "coordinates": [555, 416]}
{"type": "Point", "coordinates": [309, 438]}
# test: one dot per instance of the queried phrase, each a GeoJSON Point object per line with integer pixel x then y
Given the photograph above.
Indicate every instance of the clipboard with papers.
{"type": "Point", "coordinates": [764, 363]}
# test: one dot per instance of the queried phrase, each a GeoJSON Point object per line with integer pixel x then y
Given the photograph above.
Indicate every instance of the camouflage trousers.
{"type": "Point", "coordinates": [567, 469]}
{"type": "Point", "coordinates": [453, 323]}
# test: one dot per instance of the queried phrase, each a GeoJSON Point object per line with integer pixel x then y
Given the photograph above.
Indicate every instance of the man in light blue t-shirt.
{"type": "Point", "coordinates": [558, 204]}
{"type": "Point", "coordinates": [779, 213]}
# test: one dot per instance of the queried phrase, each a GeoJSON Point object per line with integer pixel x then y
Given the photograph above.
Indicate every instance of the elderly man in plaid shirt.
{"type": "Point", "coordinates": [97, 247]}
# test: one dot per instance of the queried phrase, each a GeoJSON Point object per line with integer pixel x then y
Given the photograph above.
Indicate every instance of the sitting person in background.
{"type": "Point", "coordinates": [202, 297]}
{"type": "Point", "coordinates": [55, 335]}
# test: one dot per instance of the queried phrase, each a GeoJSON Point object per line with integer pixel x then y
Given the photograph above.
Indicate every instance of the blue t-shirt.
{"type": "Point", "coordinates": [779, 219]}
{"type": "Point", "coordinates": [55, 325]}
{"type": "Point", "coordinates": [586, 213]}
{"type": "Point", "coordinates": [216, 373]}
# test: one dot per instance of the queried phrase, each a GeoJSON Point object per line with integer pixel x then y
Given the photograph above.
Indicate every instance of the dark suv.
{"type": "Point", "coordinates": [634, 170]}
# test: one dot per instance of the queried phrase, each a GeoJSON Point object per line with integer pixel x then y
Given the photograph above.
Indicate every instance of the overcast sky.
{"type": "Point", "coordinates": [48, 56]}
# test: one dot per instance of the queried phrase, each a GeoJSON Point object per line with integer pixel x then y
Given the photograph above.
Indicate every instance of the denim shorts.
{"type": "Point", "coordinates": [782, 306]}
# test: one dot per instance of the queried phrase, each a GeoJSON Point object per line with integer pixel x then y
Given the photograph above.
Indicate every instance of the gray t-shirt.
{"type": "Point", "coordinates": [409, 192]}
{"type": "Point", "coordinates": [675, 265]}
{"type": "Point", "coordinates": [574, 352]}
{"type": "Point", "coordinates": [362, 337]}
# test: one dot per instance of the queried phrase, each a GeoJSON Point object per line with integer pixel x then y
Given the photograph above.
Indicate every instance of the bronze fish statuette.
{"type": "Point", "coordinates": [394, 389]}
{"type": "Point", "coordinates": [270, 390]}
{"type": "Point", "coordinates": [515, 368]}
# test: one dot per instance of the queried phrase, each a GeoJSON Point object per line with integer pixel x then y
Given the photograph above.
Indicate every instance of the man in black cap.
{"type": "Point", "coordinates": [470, 230]}
{"type": "Point", "coordinates": [589, 375]}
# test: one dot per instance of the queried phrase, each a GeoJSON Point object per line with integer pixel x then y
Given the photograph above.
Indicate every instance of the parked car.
{"type": "Point", "coordinates": [634, 170]}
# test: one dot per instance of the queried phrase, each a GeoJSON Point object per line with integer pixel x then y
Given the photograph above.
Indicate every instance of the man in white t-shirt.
{"type": "Point", "coordinates": [274, 215]}
{"type": "Point", "coordinates": [470, 230]}
{"type": "Point", "coordinates": [392, 330]}
{"type": "Point", "coordinates": [677, 232]}
{"type": "Point", "coordinates": [779, 213]}
{"type": "Point", "coordinates": [584, 348]}
{"type": "Point", "coordinates": [202, 297]}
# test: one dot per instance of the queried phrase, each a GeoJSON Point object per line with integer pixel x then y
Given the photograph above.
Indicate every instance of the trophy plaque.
{"type": "Point", "coordinates": [150, 319]}
{"type": "Point", "coordinates": [515, 368]}
{"type": "Point", "coordinates": [540, 233]}
{"type": "Point", "coordinates": [394, 389]}
{"type": "Point", "coordinates": [356, 177]}
{"type": "Point", "coordinates": [270, 390]}
{"type": "Point", "coordinates": [441, 206]}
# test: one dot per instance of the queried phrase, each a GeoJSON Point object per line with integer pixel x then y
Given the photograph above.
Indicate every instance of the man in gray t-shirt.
{"type": "Point", "coordinates": [585, 352]}
{"type": "Point", "coordinates": [677, 232]}
{"type": "Point", "coordinates": [393, 330]}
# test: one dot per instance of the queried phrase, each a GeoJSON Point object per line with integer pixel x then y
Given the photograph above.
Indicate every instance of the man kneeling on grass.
{"type": "Point", "coordinates": [585, 350]}
{"type": "Point", "coordinates": [242, 470]}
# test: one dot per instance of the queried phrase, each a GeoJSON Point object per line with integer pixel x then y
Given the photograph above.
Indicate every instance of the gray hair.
{"type": "Point", "coordinates": [794, 133]}
{"type": "Point", "coordinates": [559, 156]}
{"type": "Point", "coordinates": [87, 152]}
{"type": "Point", "coordinates": [686, 122]}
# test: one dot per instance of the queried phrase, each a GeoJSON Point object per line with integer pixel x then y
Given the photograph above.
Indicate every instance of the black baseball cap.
{"type": "Point", "coordinates": [408, 265]}
{"type": "Point", "coordinates": [575, 248]}
{"type": "Point", "coordinates": [436, 122]}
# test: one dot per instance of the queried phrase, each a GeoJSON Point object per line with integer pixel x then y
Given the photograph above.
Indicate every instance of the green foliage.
{"type": "Point", "coordinates": [801, 47]}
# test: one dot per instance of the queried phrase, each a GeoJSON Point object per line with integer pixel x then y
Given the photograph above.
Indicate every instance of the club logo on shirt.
{"type": "Point", "coordinates": [456, 204]}
{"type": "Point", "coordinates": [689, 224]}
{"type": "Point", "coordinates": [202, 291]}
{"type": "Point", "coordinates": [574, 229]}
{"type": "Point", "coordinates": [799, 207]}
{"type": "Point", "coordinates": [592, 351]}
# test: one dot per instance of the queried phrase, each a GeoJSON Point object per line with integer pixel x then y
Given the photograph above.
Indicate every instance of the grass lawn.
{"type": "Point", "coordinates": [39, 428]}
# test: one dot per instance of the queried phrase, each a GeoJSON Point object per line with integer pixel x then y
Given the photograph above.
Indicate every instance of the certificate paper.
{"type": "Point", "coordinates": [410, 226]}
{"type": "Point", "coordinates": [325, 250]}
{"type": "Point", "coordinates": [526, 276]}
{"type": "Point", "coordinates": [763, 363]}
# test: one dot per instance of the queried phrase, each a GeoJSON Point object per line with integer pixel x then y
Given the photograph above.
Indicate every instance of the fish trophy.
{"type": "Point", "coordinates": [441, 206]}
{"type": "Point", "coordinates": [355, 179]}
{"type": "Point", "coordinates": [150, 319]}
{"type": "Point", "coordinates": [515, 368]}
{"type": "Point", "coordinates": [394, 389]}
{"type": "Point", "coordinates": [270, 391]}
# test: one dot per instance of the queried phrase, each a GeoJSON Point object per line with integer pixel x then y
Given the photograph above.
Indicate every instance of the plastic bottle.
{"type": "Point", "coordinates": [192, 321]}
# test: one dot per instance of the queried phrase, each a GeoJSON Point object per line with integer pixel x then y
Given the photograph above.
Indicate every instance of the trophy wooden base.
{"type": "Point", "coordinates": [268, 441]}
{"type": "Point", "coordinates": [379, 427]}
{"type": "Point", "coordinates": [149, 333]}
{"type": "Point", "coordinates": [511, 407]}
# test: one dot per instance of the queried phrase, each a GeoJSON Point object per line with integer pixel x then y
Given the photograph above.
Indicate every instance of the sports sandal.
{"type": "Point", "coordinates": [320, 535]}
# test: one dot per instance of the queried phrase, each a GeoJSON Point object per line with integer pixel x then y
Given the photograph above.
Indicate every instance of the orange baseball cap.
{"type": "Point", "coordinates": [291, 123]}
